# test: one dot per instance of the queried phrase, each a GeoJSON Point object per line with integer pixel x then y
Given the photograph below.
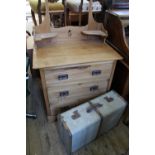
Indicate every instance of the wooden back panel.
{"type": "Point", "coordinates": [68, 33]}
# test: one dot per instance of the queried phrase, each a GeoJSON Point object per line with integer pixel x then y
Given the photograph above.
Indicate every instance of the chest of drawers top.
{"type": "Point", "coordinates": [72, 53]}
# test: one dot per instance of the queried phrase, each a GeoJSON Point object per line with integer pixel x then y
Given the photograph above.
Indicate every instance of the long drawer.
{"type": "Point", "coordinates": [71, 102]}
{"type": "Point", "coordinates": [62, 95]}
{"type": "Point", "coordinates": [71, 74]}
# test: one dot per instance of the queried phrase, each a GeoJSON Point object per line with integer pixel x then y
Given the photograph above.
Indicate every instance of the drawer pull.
{"type": "Point", "coordinates": [63, 77]}
{"type": "Point", "coordinates": [93, 88]}
{"type": "Point", "coordinates": [96, 72]}
{"type": "Point", "coordinates": [64, 93]}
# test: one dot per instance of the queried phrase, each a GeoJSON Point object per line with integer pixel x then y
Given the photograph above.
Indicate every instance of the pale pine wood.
{"type": "Point", "coordinates": [77, 74]}
{"type": "Point", "coordinates": [67, 55]}
{"type": "Point", "coordinates": [76, 89]}
{"type": "Point", "coordinates": [70, 48]}
{"type": "Point", "coordinates": [95, 33]}
{"type": "Point", "coordinates": [45, 91]}
{"type": "Point", "coordinates": [42, 36]}
{"type": "Point", "coordinates": [59, 103]}
{"type": "Point", "coordinates": [92, 24]}
{"type": "Point", "coordinates": [69, 34]}
{"type": "Point", "coordinates": [44, 27]}
{"type": "Point", "coordinates": [73, 53]}
{"type": "Point", "coordinates": [43, 30]}
{"type": "Point", "coordinates": [64, 35]}
{"type": "Point", "coordinates": [69, 102]}
{"type": "Point", "coordinates": [112, 74]}
{"type": "Point", "coordinates": [78, 79]}
{"type": "Point", "coordinates": [75, 82]}
{"type": "Point", "coordinates": [94, 28]}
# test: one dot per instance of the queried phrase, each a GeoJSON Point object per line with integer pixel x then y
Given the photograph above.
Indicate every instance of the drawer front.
{"type": "Point", "coordinates": [72, 74]}
{"type": "Point", "coordinates": [71, 101]}
{"type": "Point", "coordinates": [61, 95]}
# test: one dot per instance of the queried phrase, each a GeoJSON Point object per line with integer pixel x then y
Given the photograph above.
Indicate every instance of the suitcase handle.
{"type": "Point", "coordinates": [93, 107]}
{"type": "Point", "coordinates": [96, 72]}
{"type": "Point", "coordinates": [64, 93]}
{"type": "Point", "coordinates": [75, 115]}
{"type": "Point", "coordinates": [63, 77]}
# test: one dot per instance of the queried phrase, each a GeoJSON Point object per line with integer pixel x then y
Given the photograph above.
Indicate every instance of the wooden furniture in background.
{"type": "Point", "coordinates": [116, 22]}
{"type": "Point", "coordinates": [55, 8]}
{"type": "Point", "coordinates": [77, 11]}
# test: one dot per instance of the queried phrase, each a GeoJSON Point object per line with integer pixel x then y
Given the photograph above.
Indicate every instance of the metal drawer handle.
{"type": "Point", "coordinates": [64, 93]}
{"type": "Point", "coordinates": [96, 72]}
{"type": "Point", "coordinates": [63, 77]}
{"type": "Point", "coordinates": [93, 88]}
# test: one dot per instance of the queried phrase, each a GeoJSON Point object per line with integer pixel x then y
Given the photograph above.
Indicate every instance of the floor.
{"type": "Point", "coordinates": [42, 137]}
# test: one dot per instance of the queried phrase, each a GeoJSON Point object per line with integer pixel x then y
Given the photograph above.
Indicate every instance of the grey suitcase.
{"type": "Point", "coordinates": [110, 107]}
{"type": "Point", "coordinates": [78, 126]}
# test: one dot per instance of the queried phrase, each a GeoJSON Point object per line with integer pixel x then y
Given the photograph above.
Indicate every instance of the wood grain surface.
{"type": "Point", "coordinates": [73, 53]}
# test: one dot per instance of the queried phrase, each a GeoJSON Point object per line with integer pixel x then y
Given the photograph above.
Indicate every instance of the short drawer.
{"type": "Point", "coordinates": [72, 101]}
{"type": "Point", "coordinates": [72, 93]}
{"type": "Point", "coordinates": [71, 74]}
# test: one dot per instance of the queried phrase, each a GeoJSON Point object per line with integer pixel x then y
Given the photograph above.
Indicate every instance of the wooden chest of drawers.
{"type": "Point", "coordinates": [70, 76]}
{"type": "Point", "coordinates": [72, 85]}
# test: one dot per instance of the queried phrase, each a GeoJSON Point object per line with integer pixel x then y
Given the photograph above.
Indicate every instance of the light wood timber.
{"type": "Point", "coordinates": [72, 102]}
{"type": "Point", "coordinates": [41, 36]}
{"type": "Point", "coordinates": [112, 74]}
{"type": "Point", "coordinates": [78, 73]}
{"type": "Point", "coordinates": [73, 53]}
{"type": "Point", "coordinates": [43, 30]}
{"type": "Point", "coordinates": [94, 28]}
{"type": "Point", "coordinates": [77, 80]}
{"type": "Point", "coordinates": [44, 27]}
{"type": "Point", "coordinates": [80, 89]}
{"type": "Point", "coordinates": [95, 33]}
{"type": "Point", "coordinates": [45, 91]}
{"type": "Point", "coordinates": [76, 55]}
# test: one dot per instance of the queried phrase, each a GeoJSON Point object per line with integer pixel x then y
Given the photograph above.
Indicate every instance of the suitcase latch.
{"type": "Point", "coordinates": [93, 107]}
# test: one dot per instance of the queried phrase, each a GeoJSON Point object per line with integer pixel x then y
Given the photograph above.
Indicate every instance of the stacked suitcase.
{"type": "Point", "coordinates": [80, 125]}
